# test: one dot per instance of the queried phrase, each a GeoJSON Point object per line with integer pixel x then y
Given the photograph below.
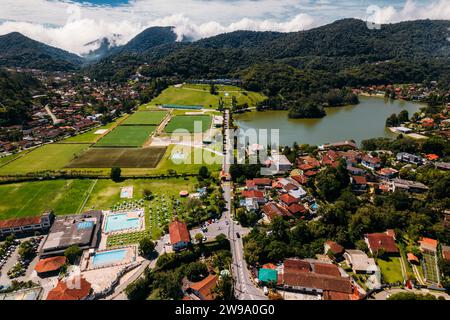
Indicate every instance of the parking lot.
{"type": "Point", "coordinates": [13, 267]}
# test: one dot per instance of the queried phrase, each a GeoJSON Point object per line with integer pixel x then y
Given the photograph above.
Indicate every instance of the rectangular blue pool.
{"type": "Point", "coordinates": [109, 257]}
{"type": "Point", "coordinates": [119, 222]}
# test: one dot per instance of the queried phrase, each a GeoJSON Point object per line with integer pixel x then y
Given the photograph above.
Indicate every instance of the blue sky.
{"type": "Point", "coordinates": [70, 24]}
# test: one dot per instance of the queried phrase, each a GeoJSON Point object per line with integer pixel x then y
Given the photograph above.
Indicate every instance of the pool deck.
{"type": "Point", "coordinates": [131, 214]}
{"type": "Point", "coordinates": [87, 260]}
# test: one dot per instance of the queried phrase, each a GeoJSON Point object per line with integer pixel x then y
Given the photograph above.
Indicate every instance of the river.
{"type": "Point", "coordinates": [358, 122]}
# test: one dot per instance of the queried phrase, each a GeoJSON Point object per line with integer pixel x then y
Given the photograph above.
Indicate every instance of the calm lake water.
{"type": "Point", "coordinates": [363, 121]}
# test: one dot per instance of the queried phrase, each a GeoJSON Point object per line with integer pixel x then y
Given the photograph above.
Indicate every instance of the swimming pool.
{"type": "Point", "coordinates": [118, 222]}
{"type": "Point", "coordinates": [109, 257]}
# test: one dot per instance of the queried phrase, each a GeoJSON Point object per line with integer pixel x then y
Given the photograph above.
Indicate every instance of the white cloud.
{"type": "Point", "coordinates": [439, 10]}
{"type": "Point", "coordinates": [69, 25]}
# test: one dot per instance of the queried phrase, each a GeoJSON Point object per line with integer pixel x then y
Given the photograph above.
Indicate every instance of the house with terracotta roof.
{"type": "Point", "coordinates": [428, 245]}
{"type": "Point", "coordinates": [179, 235]}
{"type": "Point", "coordinates": [302, 179]}
{"type": "Point", "coordinates": [50, 266]}
{"type": "Point", "coordinates": [297, 209]}
{"type": "Point", "coordinates": [387, 173]}
{"type": "Point", "coordinates": [259, 184]}
{"type": "Point", "coordinates": [385, 242]}
{"type": "Point", "coordinates": [287, 199]}
{"type": "Point", "coordinates": [359, 183]}
{"type": "Point", "coordinates": [202, 290]}
{"type": "Point", "coordinates": [26, 225]}
{"type": "Point", "coordinates": [255, 195]}
{"type": "Point", "coordinates": [73, 289]}
{"type": "Point", "coordinates": [371, 162]}
{"type": "Point", "coordinates": [336, 249]}
{"type": "Point", "coordinates": [315, 278]}
{"type": "Point", "coordinates": [273, 209]}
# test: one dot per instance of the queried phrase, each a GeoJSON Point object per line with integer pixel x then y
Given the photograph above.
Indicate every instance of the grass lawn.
{"type": "Point", "coordinates": [191, 94]}
{"type": "Point", "coordinates": [391, 269]}
{"type": "Point", "coordinates": [126, 136]}
{"type": "Point", "coordinates": [32, 198]}
{"type": "Point", "coordinates": [187, 122]}
{"type": "Point", "coordinates": [106, 193]}
{"type": "Point", "coordinates": [145, 118]}
{"type": "Point", "coordinates": [48, 157]}
{"type": "Point", "coordinates": [4, 160]}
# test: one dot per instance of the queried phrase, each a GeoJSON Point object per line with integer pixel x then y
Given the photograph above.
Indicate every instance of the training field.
{"type": "Point", "coordinates": [187, 123]}
{"type": "Point", "coordinates": [191, 94]}
{"type": "Point", "coordinates": [48, 157]}
{"type": "Point", "coordinates": [126, 136]}
{"type": "Point", "coordinates": [145, 118]}
{"type": "Point", "coordinates": [119, 157]}
{"type": "Point", "coordinates": [33, 198]}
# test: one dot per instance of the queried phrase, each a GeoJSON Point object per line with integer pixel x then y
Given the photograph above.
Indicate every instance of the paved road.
{"type": "Point", "coordinates": [244, 287]}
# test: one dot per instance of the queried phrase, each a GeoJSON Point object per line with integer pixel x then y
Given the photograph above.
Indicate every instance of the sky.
{"type": "Point", "coordinates": [75, 25]}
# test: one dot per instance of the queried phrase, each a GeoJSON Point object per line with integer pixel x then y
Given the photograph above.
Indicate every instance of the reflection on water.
{"type": "Point", "coordinates": [363, 121]}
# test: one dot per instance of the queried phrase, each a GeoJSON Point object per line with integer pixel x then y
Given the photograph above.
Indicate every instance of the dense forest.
{"type": "Point", "coordinates": [15, 96]}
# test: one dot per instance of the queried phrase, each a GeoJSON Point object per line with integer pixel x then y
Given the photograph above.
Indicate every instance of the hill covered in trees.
{"type": "Point", "coordinates": [16, 50]}
{"type": "Point", "coordinates": [15, 96]}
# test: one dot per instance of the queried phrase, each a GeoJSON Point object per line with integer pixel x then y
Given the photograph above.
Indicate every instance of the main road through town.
{"type": "Point", "coordinates": [245, 289]}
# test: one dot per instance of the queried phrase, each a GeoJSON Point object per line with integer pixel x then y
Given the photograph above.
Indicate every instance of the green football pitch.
{"type": "Point", "coordinates": [126, 136]}
{"type": "Point", "coordinates": [185, 122]}
{"type": "Point", "coordinates": [145, 118]}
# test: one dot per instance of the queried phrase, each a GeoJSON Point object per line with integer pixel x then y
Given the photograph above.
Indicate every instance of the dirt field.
{"type": "Point", "coordinates": [119, 157]}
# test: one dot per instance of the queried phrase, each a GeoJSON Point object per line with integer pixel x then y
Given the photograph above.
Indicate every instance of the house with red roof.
{"type": "Point", "coordinates": [336, 249]}
{"type": "Point", "coordinates": [273, 209]}
{"type": "Point", "coordinates": [315, 278]}
{"type": "Point", "coordinates": [259, 183]}
{"type": "Point", "coordinates": [50, 266]}
{"type": "Point", "coordinates": [202, 290]}
{"type": "Point", "coordinates": [385, 242]}
{"type": "Point", "coordinates": [297, 209]}
{"type": "Point", "coordinates": [75, 289]}
{"type": "Point", "coordinates": [359, 183]}
{"type": "Point", "coordinates": [26, 225]}
{"type": "Point", "coordinates": [371, 162]}
{"type": "Point", "coordinates": [254, 195]}
{"type": "Point", "coordinates": [179, 235]}
{"type": "Point", "coordinates": [287, 199]}
{"type": "Point", "coordinates": [428, 245]}
{"type": "Point", "coordinates": [302, 179]}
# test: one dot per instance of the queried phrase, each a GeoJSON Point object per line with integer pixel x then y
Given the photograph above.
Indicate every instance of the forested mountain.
{"type": "Point", "coordinates": [16, 90]}
{"type": "Point", "coordinates": [16, 50]}
{"type": "Point", "coordinates": [148, 39]}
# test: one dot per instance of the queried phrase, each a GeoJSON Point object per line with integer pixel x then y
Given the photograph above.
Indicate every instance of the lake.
{"type": "Point", "coordinates": [358, 122]}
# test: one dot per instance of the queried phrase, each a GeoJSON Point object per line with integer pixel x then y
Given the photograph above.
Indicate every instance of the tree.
{"type": "Point", "coordinates": [213, 89]}
{"type": "Point", "coordinates": [403, 116]}
{"type": "Point", "coordinates": [138, 290]}
{"type": "Point", "coordinates": [72, 253]}
{"type": "Point", "coordinates": [116, 174]}
{"type": "Point", "coordinates": [196, 271]}
{"type": "Point", "coordinates": [146, 246]}
{"type": "Point", "coordinates": [411, 296]}
{"type": "Point", "coordinates": [26, 250]}
{"type": "Point", "coordinates": [224, 288]}
{"type": "Point", "coordinates": [147, 194]}
{"type": "Point", "coordinates": [392, 121]}
{"type": "Point", "coordinates": [199, 238]}
{"type": "Point", "coordinates": [203, 173]}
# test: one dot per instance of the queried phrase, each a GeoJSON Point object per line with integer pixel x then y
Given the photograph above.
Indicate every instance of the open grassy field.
{"type": "Point", "coordinates": [145, 118]}
{"type": "Point", "coordinates": [106, 193]}
{"type": "Point", "coordinates": [48, 157]}
{"type": "Point", "coordinates": [391, 269]}
{"type": "Point", "coordinates": [191, 94]}
{"type": "Point", "coordinates": [187, 122]}
{"type": "Point", "coordinates": [119, 157]}
{"type": "Point", "coordinates": [126, 136]}
{"type": "Point", "coordinates": [32, 198]}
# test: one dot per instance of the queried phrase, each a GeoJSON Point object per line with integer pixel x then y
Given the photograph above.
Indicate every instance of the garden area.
{"type": "Point", "coordinates": [391, 270]}
{"type": "Point", "coordinates": [430, 268]}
